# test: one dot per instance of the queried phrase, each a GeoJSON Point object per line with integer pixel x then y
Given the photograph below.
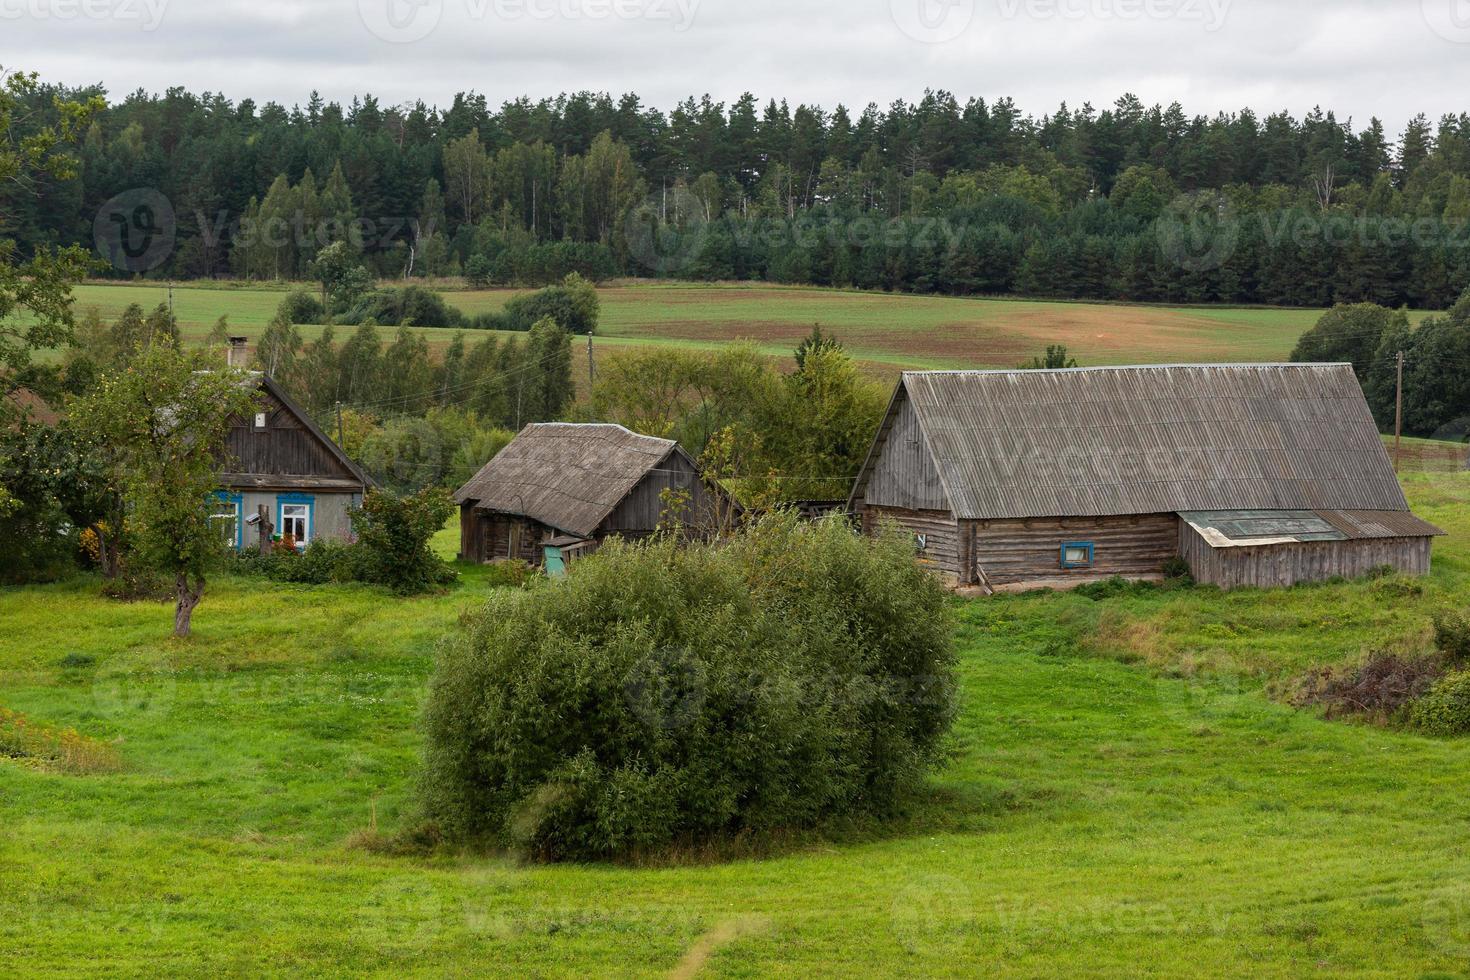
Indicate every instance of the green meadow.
{"type": "Point", "coordinates": [889, 331]}
{"type": "Point", "coordinates": [1127, 794]}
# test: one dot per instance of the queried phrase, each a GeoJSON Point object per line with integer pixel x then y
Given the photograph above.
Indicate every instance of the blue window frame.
{"type": "Point", "coordinates": [1077, 554]}
{"type": "Point", "coordinates": [296, 515]}
{"type": "Point", "coordinates": [231, 512]}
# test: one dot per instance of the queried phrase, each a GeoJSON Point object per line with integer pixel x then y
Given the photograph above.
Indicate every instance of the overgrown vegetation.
{"type": "Point", "coordinates": [663, 694]}
{"type": "Point", "coordinates": [392, 532]}
{"type": "Point", "coordinates": [1436, 383]}
{"type": "Point", "coordinates": [62, 750]}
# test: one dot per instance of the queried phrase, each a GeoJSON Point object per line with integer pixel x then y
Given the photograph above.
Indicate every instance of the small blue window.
{"type": "Point", "coordinates": [229, 515]}
{"type": "Point", "coordinates": [1077, 554]}
{"type": "Point", "coordinates": [295, 517]}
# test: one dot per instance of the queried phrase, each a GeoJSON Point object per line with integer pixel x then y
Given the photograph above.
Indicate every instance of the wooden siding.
{"type": "Point", "coordinates": [1280, 565]}
{"type": "Point", "coordinates": [284, 447]}
{"type": "Point", "coordinates": [941, 534]}
{"type": "Point", "coordinates": [1018, 551]}
{"type": "Point", "coordinates": [640, 512]}
{"type": "Point", "coordinates": [485, 536]}
{"type": "Point", "coordinates": [904, 475]}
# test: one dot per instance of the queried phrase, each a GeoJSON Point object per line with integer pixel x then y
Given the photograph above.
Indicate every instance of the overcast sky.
{"type": "Point", "coordinates": [1390, 58]}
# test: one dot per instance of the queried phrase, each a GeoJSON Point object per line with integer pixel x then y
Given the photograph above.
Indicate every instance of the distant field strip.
{"type": "Point", "coordinates": [888, 330]}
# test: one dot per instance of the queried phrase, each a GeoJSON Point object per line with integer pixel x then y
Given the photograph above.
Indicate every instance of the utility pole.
{"type": "Point", "coordinates": [340, 440]}
{"type": "Point", "coordinates": [591, 364]}
{"type": "Point", "coordinates": [1398, 415]}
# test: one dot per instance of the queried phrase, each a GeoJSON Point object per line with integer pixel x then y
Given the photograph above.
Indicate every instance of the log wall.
{"type": "Point", "coordinates": [1018, 551]}
{"type": "Point", "coordinates": [1280, 565]}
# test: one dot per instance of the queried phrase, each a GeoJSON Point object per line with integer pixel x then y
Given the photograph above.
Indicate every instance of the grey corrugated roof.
{"type": "Point", "coordinates": [1151, 440]}
{"type": "Point", "coordinates": [567, 476]}
{"type": "Point", "coordinates": [1357, 524]}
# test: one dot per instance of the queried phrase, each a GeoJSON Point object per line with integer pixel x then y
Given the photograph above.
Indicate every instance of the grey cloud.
{"type": "Point", "coordinates": [1356, 57]}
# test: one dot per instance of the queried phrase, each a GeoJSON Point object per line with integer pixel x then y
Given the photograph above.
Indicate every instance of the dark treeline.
{"type": "Point", "coordinates": [1131, 202]}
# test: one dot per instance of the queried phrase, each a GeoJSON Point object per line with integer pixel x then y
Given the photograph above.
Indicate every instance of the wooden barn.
{"type": "Point", "coordinates": [1254, 474]}
{"type": "Point", "coordinates": [560, 489]}
{"type": "Point", "coordinates": [284, 476]}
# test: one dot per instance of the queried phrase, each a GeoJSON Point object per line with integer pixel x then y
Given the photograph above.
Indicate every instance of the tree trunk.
{"type": "Point", "coordinates": [107, 554]}
{"type": "Point", "coordinates": [188, 598]}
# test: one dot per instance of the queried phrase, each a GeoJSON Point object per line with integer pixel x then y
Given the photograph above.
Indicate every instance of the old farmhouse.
{"type": "Point", "coordinates": [560, 489]}
{"type": "Point", "coordinates": [285, 477]}
{"type": "Point", "coordinates": [1259, 474]}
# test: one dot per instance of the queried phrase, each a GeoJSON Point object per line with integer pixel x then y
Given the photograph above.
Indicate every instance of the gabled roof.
{"type": "Point", "coordinates": [357, 476]}
{"type": "Point", "coordinates": [1149, 440]}
{"type": "Point", "coordinates": [567, 476]}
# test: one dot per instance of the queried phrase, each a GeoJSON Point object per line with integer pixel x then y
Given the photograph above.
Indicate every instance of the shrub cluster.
{"type": "Point", "coordinates": [573, 304]}
{"type": "Point", "coordinates": [410, 306]}
{"type": "Point", "coordinates": [663, 695]}
{"type": "Point", "coordinates": [392, 548]}
{"type": "Point", "coordinates": [1446, 709]}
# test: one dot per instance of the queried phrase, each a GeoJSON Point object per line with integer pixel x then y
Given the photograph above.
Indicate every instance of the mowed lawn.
{"type": "Point", "coordinates": [1125, 798]}
{"type": "Point", "coordinates": [889, 331]}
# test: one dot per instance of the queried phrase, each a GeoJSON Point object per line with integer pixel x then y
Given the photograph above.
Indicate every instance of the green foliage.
{"type": "Point", "coordinates": [412, 306]}
{"type": "Point", "coordinates": [444, 448]}
{"type": "Point", "coordinates": [163, 421]}
{"type": "Point", "coordinates": [662, 694]}
{"type": "Point", "coordinates": [1054, 359]}
{"type": "Point", "coordinates": [343, 278]}
{"type": "Point", "coordinates": [300, 306]}
{"type": "Point", "coordinates": [513, 574]}
{"type": "Point", "coordinates": [1349, 334]}
{"type": "Point", "coordinates": [36, 134]}
{"type": "Point", "coordinates": [806, 432]}
{"type": "Point", "coordinates": [321, 562]}
{"type": "Point", "coordinates": [57, 486]}
{"type": "Point", "coordinates": [479, 271]}
{"type": "Point", "coordinates": [1452, 636]}
{"type": "Point", "coordinates": [1445, 710]}
{"type": "Point", "coordinates": [573, 305]}
{"type": "Point", "coordinates": [393, 535]}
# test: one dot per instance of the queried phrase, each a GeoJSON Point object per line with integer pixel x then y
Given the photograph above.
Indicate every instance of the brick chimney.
{"type": "Point", "coordinates": [238, 356]}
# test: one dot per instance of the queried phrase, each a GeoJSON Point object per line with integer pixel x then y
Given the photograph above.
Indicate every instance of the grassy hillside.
{"type": "Point", "coordinates": [1124, 798]}
{"type": "Point", "coordinates": [890, 331]}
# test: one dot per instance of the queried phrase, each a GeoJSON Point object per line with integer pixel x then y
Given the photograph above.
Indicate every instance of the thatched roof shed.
{"type": "Point", "coordinates": [585, 480]}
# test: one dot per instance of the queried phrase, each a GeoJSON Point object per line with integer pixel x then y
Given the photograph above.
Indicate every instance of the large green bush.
{"type": "Point", "coordinates": [663, 695]}
{"type": "Point", "coordinates": [1445, 710]}
{"type": "Point", "coordinates": [412, 306]}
